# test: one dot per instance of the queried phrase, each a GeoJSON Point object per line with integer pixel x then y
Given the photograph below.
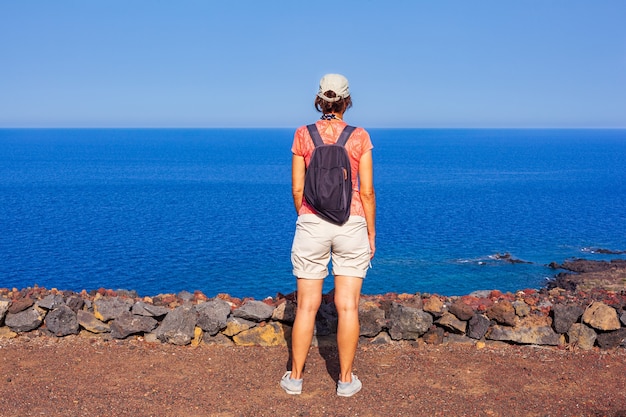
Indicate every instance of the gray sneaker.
{"type": "Point", "coordinates": [348, 389]}
{"type": "Point", "coordinates": [291, 386]}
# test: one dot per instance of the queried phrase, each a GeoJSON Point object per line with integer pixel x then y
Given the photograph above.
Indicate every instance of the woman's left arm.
{"type": "Point", "coordinates": [368, 197]}
{"type": "Point", "coordinates": [298, 170]}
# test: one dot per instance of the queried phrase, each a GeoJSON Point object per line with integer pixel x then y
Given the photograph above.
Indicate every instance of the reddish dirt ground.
{"type": "Point", "coordinates": [77, 376]}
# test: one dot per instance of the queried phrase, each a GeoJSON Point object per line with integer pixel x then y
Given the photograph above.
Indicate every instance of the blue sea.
{"type": "Point", "coordinates": [166, 210]}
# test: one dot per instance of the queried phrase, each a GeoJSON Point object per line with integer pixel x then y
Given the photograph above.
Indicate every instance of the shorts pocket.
{"type": "Point", "coordinates": [308, 219]}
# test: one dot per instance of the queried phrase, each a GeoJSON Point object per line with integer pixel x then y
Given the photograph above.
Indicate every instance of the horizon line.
{"type": "Point", "coordinates": [295, 127]}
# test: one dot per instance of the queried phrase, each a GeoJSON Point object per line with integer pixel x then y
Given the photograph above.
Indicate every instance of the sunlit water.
{"type": "Point", "coordinates": [169, 210]}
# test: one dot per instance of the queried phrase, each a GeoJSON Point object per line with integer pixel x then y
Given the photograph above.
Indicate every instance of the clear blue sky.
{"type": "Point", "coordinates": [140, 63]}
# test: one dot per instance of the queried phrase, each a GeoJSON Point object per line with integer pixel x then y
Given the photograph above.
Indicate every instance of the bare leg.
{"type": "Point", "coordinates": [309, 300]}
{"type": "Point", "coordinates": [347, 295]}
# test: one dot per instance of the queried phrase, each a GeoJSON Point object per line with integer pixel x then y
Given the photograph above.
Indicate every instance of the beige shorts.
{"type": "Point", "coordinates": [317, 241]}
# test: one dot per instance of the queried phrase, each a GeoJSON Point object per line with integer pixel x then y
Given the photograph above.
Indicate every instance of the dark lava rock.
{"type": "Point", "coordinates": [610, 340]}
{"type": "Point", "coordinates": [25, 320]}
{"type": "Point", "coordinates": [128, 323]}
{"type": "Point", "coordinates": [213, 315]}
{"type": "Point", "coordinates": [564, 316]}
{"type": "Point", "coordinates": [51, 301]}
{"type": "Point", "coordinates": [178, 326]}
{"type": "Point", "coordinates": [254, 310]}
{"type": "Point", "coordinates": [507, 257]}
{"type": "Point", "coordinates": [326, 320]}
{"type": "Point", "coordinates": [144, 309]}
{"type": "Point", "coordinates": [477, 326]}
{"type": "Point", "coordinates": [408, 323]}
{"type": "Point", "coordinates": [563, 280]}
{"type": "Point", "coordinates": [371, 318]}
{"type": "Point", "coordinates": [76, 303]}
{"type": "Point", "coordinates": [585, 265]}
{"type": "Point", "coordinates": [62, 321]}
{"type": "Point", "coordinates": [607, 251]}
{"type": "Point", "coordinates": [107, 309]}
{"type": "Point", "coordinates": [90, 323]}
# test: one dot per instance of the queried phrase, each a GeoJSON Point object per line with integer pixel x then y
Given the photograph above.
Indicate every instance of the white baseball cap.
{"type": "Point", "coordinates": [336, 83]}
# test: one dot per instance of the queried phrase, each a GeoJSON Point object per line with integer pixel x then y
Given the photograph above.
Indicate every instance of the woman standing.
{"type": "Point", "coordinates": [317, 241]}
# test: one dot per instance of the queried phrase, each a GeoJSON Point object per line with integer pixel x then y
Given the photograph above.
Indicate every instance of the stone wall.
{"type": "Point", "coordinates": [555, 317]}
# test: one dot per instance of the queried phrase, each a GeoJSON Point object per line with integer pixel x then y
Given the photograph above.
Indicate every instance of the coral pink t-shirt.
{"type": "Point", "coordinates": [358, 144]}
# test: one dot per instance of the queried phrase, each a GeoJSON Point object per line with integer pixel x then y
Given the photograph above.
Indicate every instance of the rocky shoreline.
{"type": "Point", "coordinates": [583, 307]}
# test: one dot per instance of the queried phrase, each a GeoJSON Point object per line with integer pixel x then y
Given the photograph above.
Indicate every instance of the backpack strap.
{"type": "Point", "coordinates": [345, 135]}
{"type": "Point", "coordinates": [315, 135]}
{"type": "Point", "coordinates": [317, 139]}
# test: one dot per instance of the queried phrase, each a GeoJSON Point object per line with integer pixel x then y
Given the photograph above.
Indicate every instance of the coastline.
{"type": "Point", "coordinates": [585, 307]}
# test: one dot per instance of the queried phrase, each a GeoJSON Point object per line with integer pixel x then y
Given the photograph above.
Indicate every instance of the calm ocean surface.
{"type": "Point", "coordinates": [165, 210]}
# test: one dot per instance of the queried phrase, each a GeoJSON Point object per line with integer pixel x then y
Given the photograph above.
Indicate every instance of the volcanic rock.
{"type": "Point", "coordinates": [254, 310]}
{"type": "Point", "coordinates": [581, 335]}
{"type": "Point", "coordinates": [89, 322]}
{"type": "Point", "coordinates": [480, 293]}
{"type": "Point", "coordinates": [75, 302]}
{"type": "Point", "coordinates": [20, 305]}
{"type": "Point", "coordinates": [540, 335]}
{"type": "Point", "coordinates": [150, 310]}
{"type": "Point", "coordinates": [185, 295]}
{"type": "Point", "coordinates": [4, 307]}
{"type": "Point", "coordinates": [51, 301]}
{"type": "Point", "coordinates": [128, 323]}
{"type": "Point", "coordinates": [434, 336]}
{"type": "Point", "coordinates": [212, 315]}
{"type": "Point", "coordinates": [477, 326]}
{"type": "Point", "coordinates": [408, 323]}
{"type": "Point", "coordinates": [606, 251]}
{"type": "Point", "coordinates": [198, 335]}
{"type": "Point", "coordinates": [269, 335]}
{"type": "Point", "coordinates": [178, 326]}
{"type": "Point", "coordinates": [521, 308]}
{"type": "Point", "coordinates": [121, 292]}
{"type": "Point", "coordinates": [381, 338]}
{"type": "Point", "coordinates": [508, 258]}
{"type": "Point", "coordinates": [452, 323]}
{"type": "Point", "coordinates": [585, 265]}
{"type": "Point", "coordinates": [461, 310]}
{"type": "Point", "coordinates": [235, 325]}
{"type": "Point", "coordinates": [502, 312]}
{"type": "Point", "coordinates": [62, 321]}
{"type": "Point", "coordinates": [601, 317]}
{"type": "Point", "coordinates": [564, 316]}
{"type": "Point", "coordinates": [285, 312]}
{"type": "Point", "coordinates": [610, 340]}
{"type": "Point", "coordinates": [411, 300]}
{"type": "Point", "coordinates": [25, 320]}
{"type": "Point", "coordinates": [6, 333]}
{"type": "Point", "coordinates": [106, 309]}
{"type": "Point", "coordinates": [372, 318]}
{"type": "Point", "coordinates": [434, 305]}
{"type": "Point", "coordinates": [219, 339]}
{"type": "Point", "coordinates": [326, 320]}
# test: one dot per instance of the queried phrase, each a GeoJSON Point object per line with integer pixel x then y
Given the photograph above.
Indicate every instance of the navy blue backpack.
{"type": "Point", "coordinates": [328, 179]}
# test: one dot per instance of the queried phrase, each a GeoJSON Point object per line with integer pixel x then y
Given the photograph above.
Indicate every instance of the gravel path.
{"type": "Point", "coordinates": [79, 376]}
